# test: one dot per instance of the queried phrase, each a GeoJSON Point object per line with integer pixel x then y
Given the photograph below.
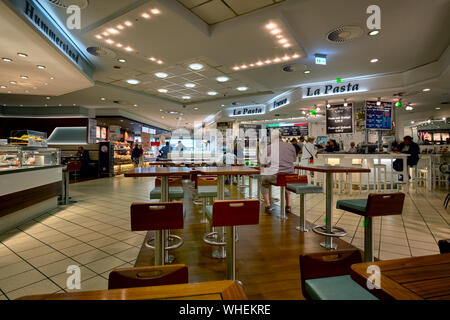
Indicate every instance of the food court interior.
{"type": "Point", "coordinates": [134, 159]}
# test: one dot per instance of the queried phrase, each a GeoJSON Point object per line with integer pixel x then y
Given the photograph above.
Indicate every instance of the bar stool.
{"type": "Point", "coordinates": [147, 276]}
{"type": "Point", "coordinates": [229, 214]}
{"type": "Point", "coordinates": [302, 189]}
{"type": "Point", "coordinates": [160, 217]}
{"type": "Point", "coordinates": [375, 205]}
{"type": "Point", "coordinates": [281, 181]}
{"type": "Point", "coordinates": [175, 189]}
{"type": "Point", "coordinates": [380, 169]}
{"type": "Point", "coordinates": [207, 191]}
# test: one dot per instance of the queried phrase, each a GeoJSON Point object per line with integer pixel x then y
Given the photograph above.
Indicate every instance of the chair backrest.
{"type": "Point", "coordinates": [207, 180]}
{"type": "Point", "coordinates": [156, 216]}
{"type": "Point", "coordinates": [235, 212]}
{"type": "Point", "coordinates": [283, 179]}
{"type": "Point", "coordinates": [73, 166]}
{"type": "Point", "coordinates": [327, 264]}
{"type": "Point", "coordinates": [147, 276]}
{"type": "Point", "coordinates": [173, 182]}
{"type": "Point", "coordinates": [385, 204]}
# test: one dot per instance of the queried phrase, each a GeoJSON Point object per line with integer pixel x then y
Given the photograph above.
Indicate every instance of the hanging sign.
{"type": "Point", "coordinates": [332, 89]}
{"type": "Point", "coordinates": [378, 117]}
{"type": "Point", "coordinates": [340, 118]}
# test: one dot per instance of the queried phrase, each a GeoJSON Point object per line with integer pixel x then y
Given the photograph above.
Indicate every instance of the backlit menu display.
{"type": "Point", "coordinates": [378, 117]}
{"type": "Point", "coordinates": [340, 118]}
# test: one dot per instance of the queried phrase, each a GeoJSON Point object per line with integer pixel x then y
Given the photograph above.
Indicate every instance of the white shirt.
{"type": "Point", "coordinates": [308, 151]}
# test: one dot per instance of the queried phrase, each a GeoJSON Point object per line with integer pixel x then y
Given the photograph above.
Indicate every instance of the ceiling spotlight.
{"type": "Point", "coordinates": [295, 56]}
{"type": "Point", "coordinates": [303, 112]}
{"type": "Point", "coordinates": [259, 63]}
{"type": "Point", "coordinates": [282, 40]}
{"type": "Point", "coordinates": [122, 60]}
{"type": "Point", "coordinates": [152, 59]}
{"type": "Point", "coordinates": [145, 15]}
{"type": "Point", "coordinates": [276, 60]}
{"type": "Point", "coordinates": [159, 62]}
{"type": "Point", "coordinates": [275, 31]}
{"type": "Point", "coordinates": [374, 60]}
{"type": "Point", "coordinates": [328, 104]}
{"type": "Point", "coordinates": [3, 87]}
{"type": "Point", "coordinates": [345, 103]}
{"type": "Point", "coordinates": [135, 105]}
{"type": "Point", "coordinates": [40, 67]}
{"type": "Point", "coordinates": [23, 55]}
{"type": "Point", "coordinates": [307, 71]}
{"type": "Point", "coordinates": [99, 36]}
{"type": "Point", "coordinates": [161, 75]}
{"type": "Point", "coordinates": [155, 11]}
{"type": "Point", "coordinates": [129, 49]}
{"type": "Point", "coordinates": [222, 79]}
{"type": "Point", "coordinates": [374, 32]}
{"type": "Point", "coordinates": [119, 45]}
{"type": "Point", "coordinates": [128, 23]}
{"type": "Point", "coordinates": [113, 31]}
{"type": "Point", "coordinates": [212, 93]}
{"type": "Point", "coordinates": [195, 108]}
{"type": "Point", "coordinates": [120, 27]}
{"type": "Point", "coordinates": [412, 122]}
{"type": "Point", "coordinates": [244, 66]}
{"type": "Point", "coordinates": [437, 108]}
{"type": "Point", "coordinates": [268, 61]}
{"type": "Point", "coordinates": [186, 97]}
{"type": "Point", "coordinates": [196, 66]}
{"type": "Point", "coordinates": [190, 85]}
{"type": "Point", "coordinates": [242, 88]}
{"type": "Point", "coordinates": [13, 82]}
{"type": "Point", "coordinates": [52, 78]}
{"type": "Point", "coordinates": [105, 33]}
{"type": "Point", "coordinates": [133, 81]}
{"type": "Point", "coordinates": [48, 98]}
{"type": "Point", "coordinates": [287, 45]}
{"type": "Point", "coordinates": [7, 59]}
{"type": "Point", "coordinates": [408, 108]}
{"type": "Point", "coordinates": [23, 77]}
{"type": "Point", "coordinates": [426, 90]}
{"type": "Point", "coordinates": [109, 41]}
{"type": "Point", "coordinates": [163, 90]}
{"type": "Point", "coordinates": [379, 102]}
{"type": "Point", "coordinates": [103, 99]}
{"type": "Point", "coordinates": [286, 58]}
{"type": "Point", "coordinates": [271, 26]}
{"type": "Point", "coordinates": [236, 68]}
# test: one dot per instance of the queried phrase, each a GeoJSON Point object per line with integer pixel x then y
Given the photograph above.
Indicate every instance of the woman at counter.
{"type": "Point", "coordinates": [308, 152]}
{"type": "Point", "coordinates": [332, 146]}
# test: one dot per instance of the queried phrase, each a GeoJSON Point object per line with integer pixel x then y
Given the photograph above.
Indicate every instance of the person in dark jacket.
{"type": "Point", "coordinates": [135, 154]}
{"type": "Point", "coordinates": [296, 146]}
{"type": "Point", "coordinates": [84, 159]}
{"type": "Point", "coordinates": [332, 146]}
{"type": "Point", "coordinates": [164, 152]}
{"type": "Point", "coordinates": [411, 148]}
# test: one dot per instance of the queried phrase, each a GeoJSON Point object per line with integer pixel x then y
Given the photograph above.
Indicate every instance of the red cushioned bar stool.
{"type": "Point", "coordinates": [229, 214]}
{"type": "Point", "coordinates": [282, 180]}
{"type": "Point", "coordinates": [160, 217]}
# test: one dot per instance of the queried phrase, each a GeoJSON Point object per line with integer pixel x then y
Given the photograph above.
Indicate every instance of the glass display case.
{"type": "Point", "coordinates": [18, 157]}
{"type": "Point", "coordinates": [28, 138]}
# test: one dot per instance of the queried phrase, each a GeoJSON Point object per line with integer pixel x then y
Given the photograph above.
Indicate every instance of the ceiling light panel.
{"type": "Point", "coordinates": [267, 61]}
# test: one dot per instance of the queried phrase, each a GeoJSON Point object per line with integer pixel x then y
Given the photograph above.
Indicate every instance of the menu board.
{"type": "Point", "coordinates": [340, 118]}
{"type": "Point", "coordinates": [378, 117]}
{"type": "Point", "coordinates": [295, 131]}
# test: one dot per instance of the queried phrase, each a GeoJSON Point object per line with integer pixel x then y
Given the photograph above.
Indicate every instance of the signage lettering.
{"type": "Point", "coordinates": [247, 111]}
{"type": "Point", "coordinates": [279, 103]}
{"type": "Point", "coordinates": [331, 89]}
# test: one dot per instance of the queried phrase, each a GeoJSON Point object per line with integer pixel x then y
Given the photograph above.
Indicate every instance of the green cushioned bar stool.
{"type": "Point", "coordinates": [326, 276]}
{"type": "Point", "coordinates": [175, 193]}
{"type": "Point", "coordinates": [207, 194]}
{"type": "Point", "coordinates": [375, 205]}
{"type": "Point", "coordinates": [302, 189]}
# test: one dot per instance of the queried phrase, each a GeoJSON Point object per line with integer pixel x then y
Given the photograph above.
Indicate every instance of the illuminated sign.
{"type": "Point", "coordinates": [331, 89]}
{"type": "Point", "coordinates": [321, 59]}
{"type": "Point", "coordinates": [279, 103]}
{"type": "Point", "coordinates": [247, 111]}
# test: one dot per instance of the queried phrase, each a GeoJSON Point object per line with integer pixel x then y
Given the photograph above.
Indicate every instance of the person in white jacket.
{"type": "Point", "coordinates": [309, 151]}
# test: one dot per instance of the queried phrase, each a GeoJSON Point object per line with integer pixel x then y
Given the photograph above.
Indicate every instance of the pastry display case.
{"type": "Point", "coordinates": [28, 138]}
{"type": "Point", "coordinates": [13, 157]}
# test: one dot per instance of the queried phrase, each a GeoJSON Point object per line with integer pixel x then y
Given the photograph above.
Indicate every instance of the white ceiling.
{"type": "Point", "coordinates": [414, 33]}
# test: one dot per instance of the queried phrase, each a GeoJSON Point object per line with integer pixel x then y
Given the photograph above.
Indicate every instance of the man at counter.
{"type": "Point", "coordinates": [296, 146]}
{"type": "Point", "coordinates": [332, 146]}
{"type": "Point", "coordinates": [84, 159]}
{"type": "Point", "coordinates": [409, 147]}
{"type": "Point", "coordinates": [352, 148]}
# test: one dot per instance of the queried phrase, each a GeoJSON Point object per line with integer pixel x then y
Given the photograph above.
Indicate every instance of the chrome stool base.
{"type": "Point", "coordinates": [336, 232]}
{"type": "Point", "coordinates": [302, 229]}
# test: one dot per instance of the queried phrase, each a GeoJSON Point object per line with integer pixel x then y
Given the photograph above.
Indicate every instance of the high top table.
{"type": "Point", "coordinates": [221, 172]}
{"type": "Point", "coordinates": [164, 173]}
{"type": "Point", "coordinates": [328, 229]}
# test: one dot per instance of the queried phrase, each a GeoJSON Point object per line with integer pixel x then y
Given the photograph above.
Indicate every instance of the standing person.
{"type": "Point", "coordinates": [285, 157]}
{"type": "Point", "coordinates": [135, 154]}
{"type": "Point", "coordinates": [180, 147]}
{"type": "Point", "coordinates": [352, 148]}
{"type": "Point", "coordinates": [302, 142]}
{"type": "Point", "coordinates": [164, 152]}
{"type": "Point", "coordinates": [84, 159]}
{"type": "Point", "coordinates": [308, 152]}
{"type": "Point", "coordinates": [296, 146]}
{"type": "Point", "coordinates": [408, 146]}
{"type": "Point", "coordinates": [141, 156]}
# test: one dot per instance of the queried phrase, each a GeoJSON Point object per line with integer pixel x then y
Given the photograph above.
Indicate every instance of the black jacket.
{"type": "Point", "coordinates": [413, 152]}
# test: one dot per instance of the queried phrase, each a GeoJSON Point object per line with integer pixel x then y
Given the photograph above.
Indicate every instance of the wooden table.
{"type": "Point", "coordinates": [329, 170]}
{"type": "Point", "coordinates": [417, 278]}
{"type": "Point", "coordinates": [212, 290]}
{"type": "Point", "coordinates": [221, 172]}
{"type": "Point", "coordinates": [160, 240]}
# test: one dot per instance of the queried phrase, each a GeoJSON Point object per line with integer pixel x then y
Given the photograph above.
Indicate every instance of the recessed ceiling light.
{"type": "Point", "coordinates": [236, 68]}
{"type": "Point", "coordinates": [3, 87]}
{"type": "Point", "coordinates": [99, 36]}
{"type": "Point", "coordinates": [145, 15]}
{"type": "Point", "coordinates": [268, 61]}
{"type": "Point", "coordinates": [46, 84]}
{"type": "Point", "coordinates": [13, 82]}
{"type": "Point", "coordinates": [374, 32]}
{"type": "Point", "coordinates": [119, 45]}
{"type": "Point", "coordinates": [287, 45]}
{"type": "Point", "coordinates": [242, 88]}
{"type": "Point", "coordinates": [40, 67]}
{"type": "Point", "coordinates": [155, 11]}
{"type": "Point", "coordinates": [186, 97]}
{"type": "Point", "coordinates": [24, 77]}
{"type": "Point", "coordinates": [276, 60]}
{"type": "Point", "coordinates": [275, 31]}
{"type": "Point", "coordinates": [103, 99]}
{"type": "Point", "coordinates": [307, 71]}
{"type": "Point", "coordinates": [105, 34]}
{"type": "Point", "coordinates": [129, 49]}
{"type": "Point", "coordinates": [161, 75]}
{"type": "Point", "coordinates": [162, 117]}
{"type": "Point", "coordinates": [52, 78]}
{"type": "Point", "coordinates": [122, 60]}
{"type": "Point", "coordinates": [163, 90]}
{"type": "Point", "coordinates": [23, 55]}
{"type": "Point", "coordinates": [212, 93]}
{"type": "Point", "coordinates": [113, 31]}
{"type": "Point", "coordinates": [48, 98]}
{"type": "Point", "coordinates": [7, 59]}
{"type": "Point", "coordinates": [426, 90]}
{"type": "Point", "coordinates": [159, 62]}
{"type": "Point", "coordinates": [295, 56]}
{"type": "Point", "coordinates": [152, 59]}
{"type": "Point", "coordinates": [282, 40]}
{"type": "Point", "coordinates": [60, 104]}
{"type": "Point", "coordinates": [271, 26]}
{"type": "Point", "coordinates": [196, 66]}
{"type": "Point", "coordinates": [128, 23]}
{"type": "Point", "coordinates": [437, 108]}
{"type": "Point", "coordinates": [190, 85]}
{"type": "Point", "coordinates": [222, 79]}
{"type": "Point", "coordinates": [286, 58]}
{"type": "Point", "coordinates": [120, 27]}
{"type": "Point", "coordinates": [374, 60]}
{"type": "Point", "coordinates": [244, 66]}
{"type": "Point", "coordinates": [135, 105]}
{"type": "Point", "coordinates": [195, 108]}
{"type": "Point", "coordinates": [133, 81]}
{"type": "Point", "coordinates": [109, 41]}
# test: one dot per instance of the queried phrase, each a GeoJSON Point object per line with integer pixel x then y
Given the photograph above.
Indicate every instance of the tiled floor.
{"type": "Point", "coordinates": [94, 235]}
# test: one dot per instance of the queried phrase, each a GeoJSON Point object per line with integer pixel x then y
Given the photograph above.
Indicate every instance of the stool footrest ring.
{"type": "Point", "coordinates": [335, 231]}
{"type": "Point", "coordinates": [172, 237]}
{"type": "Point", "coordinates": [213, 235]}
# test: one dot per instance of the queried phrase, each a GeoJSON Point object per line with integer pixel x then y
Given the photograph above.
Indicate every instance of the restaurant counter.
{"type": "Point", "coordinates": [28, 192]}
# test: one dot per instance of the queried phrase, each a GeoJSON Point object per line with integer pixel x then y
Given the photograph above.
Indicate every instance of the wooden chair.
{"type": "Point", "coordinates": [326, 276]}
{"type": "Point", "coordinates": [147, 276]}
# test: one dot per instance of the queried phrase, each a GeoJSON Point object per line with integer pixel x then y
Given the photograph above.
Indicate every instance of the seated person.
{"type": "Point", "coordinates": [332, 146]}
{"type": "Point", "coordinates": [409, 147]}
{"type": "Point", "coordinates": [352, 148]}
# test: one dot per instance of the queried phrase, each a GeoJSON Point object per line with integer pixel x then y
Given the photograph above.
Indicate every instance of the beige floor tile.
{"type": "Point", "coordinates": [101, 242]}
{"type": "Point", "coordinates": [42, 287]}
{"type": "Point", "coordinates": [9, 259]}
{"type": "Point", "coordinates": [93, 235]}
{"type": "Point", "coordinates": [36, 252]}
{"type": "Point", "coordinates": [2, 297]}
{"type": "Point", "coordinates": [404, 250]}
{"type": "Point", "coordinates": [65, 244]}
{"type": "Point", "coordinates": [57, 267]}
{"type": "Point", "coordinates": [416, 252]}
{"type": "Point", "coordinates": [24, 245]}
{"type": "Point", "coordinates": [90, 256]}
{"type": "Point", "coordinates": [385, 255]}
{"type": "Point", "coordinates": [423, 245]}
{"type": "Point", "coordinates": [20, 280]}
{"type": "Point", "coordinates": [46, 259]}
{"type": "Point", "coordinates": [13, 269]}
{"type": "Point", "coordinates": [116, 247]}
{"type": "Point", "coordinates": [105, 264]}
{"type": "Point", "coordinates": [77, 249]}
{"type": "Point", "coordinates": [128, 255]}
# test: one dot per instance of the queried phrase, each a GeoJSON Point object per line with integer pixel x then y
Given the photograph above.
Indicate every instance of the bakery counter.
{"type": "Point", "coordinates": [27, 192]}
